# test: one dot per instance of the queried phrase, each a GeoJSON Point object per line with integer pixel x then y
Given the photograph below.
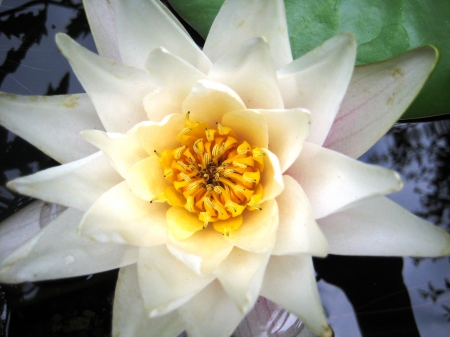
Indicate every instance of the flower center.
{"type": "Point", "coordinates": [217, 175]}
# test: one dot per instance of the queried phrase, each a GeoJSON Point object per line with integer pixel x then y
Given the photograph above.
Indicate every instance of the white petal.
{"type": "Point", "coordinates": [258, 230]}
{"type": "Point", "coordinates": [271, 177]}
{"type": "Point", "coordinates": [290, 282]}
{"type": "Point", "coordinates": [77, 184]}
{"type": "Point", "coordinates": [202, 252]}
{"type": "Point", "coordinates": [249, 125]}
{"type": "Point", "coordinates": [102, 22]}
{"type": "Point", "coordinates": [145, 25]}
{"type": "Point", "coordinates": [58, 252]}
{"type": "Point", "coordinates": [241, 275]}
{"type": "Point", "coordinates": [288, 130]}
{"type": "Point", "coordinates": [211, 313]}
{"type": "Point", "coordinates": [116, 90]}
{"type": "Point", "coordinates": [119, 216]}
{"type": "Point", "coordinates": [209, 101]}
{"type": "Point", "coordinates": [334, 182]}
{"type": "Point", "coordinates": [21, 226]}
{"type": "Point", "coordinates": [318, 81]}
{"type": "Point", "coordinates": [377, 96]}
{"type": "Point", "coordinates": [239, 21]}
{"type": "Point", "coordinates": [165, 282]}
{"type": "Point", "coordinates": [379, 226]}
{"type": "Point", "coordinates": [51, 123]}
{"type": "Point", "coordinates": [250, 72]}
{"type": "Point", "coordinates": [130, 318]}
{"type": "Point", "coordinates": [298, 232]}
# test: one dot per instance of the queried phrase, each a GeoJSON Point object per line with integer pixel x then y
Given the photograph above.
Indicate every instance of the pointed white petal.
{"type": "Point", "coordinates": [119, 216]}
{"type": "Point", "coordinates": [239, 21]}
{"type": "Point", "coordinates": [241, 275]}
{"type": "Point", "coordinates": [130, 318]}
{"type": "Point", "coordinates": [77, 184]}
{"type": "Point", "coordinates": [377, 96]}
{"type": "Point", "coordinates": [334, 182]}
{"type": "Point", "coordinates": [271, 177]}
{"type": "Point", "coordinates": [165, 282]}
{"type": "Point", "coordinates": [250, 72]}
{"type": "Point", "coordinates": [211, 313]}
{"type": "Point", "coordinates": [51, 123]}
{"type": "Point", "coordinates": [145, 25]}
{"type": "Point", "coordinates": [290, 282]}
{"type": "Point", "coordinates": [298, 232]}
{"type": "Point", "coordinates": [58, 252]}
{"type": "Point", "coordinates": [102, 22]}
{"type": "Point", "coordinates": [318, 81]}
{"type": "Point", "coordinates": [116, 90]}
{"type": "Point", "coordinates": [379, 226]}
{"type": "Point", "coordinates": [288, 130]}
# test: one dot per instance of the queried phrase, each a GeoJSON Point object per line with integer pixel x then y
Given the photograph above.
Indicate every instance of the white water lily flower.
{"type": "Point", "coordinates": [220, 172]}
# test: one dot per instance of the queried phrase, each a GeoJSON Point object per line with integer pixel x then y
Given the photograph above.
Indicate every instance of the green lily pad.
{"type": "Point", "coordinates": [383, 29]}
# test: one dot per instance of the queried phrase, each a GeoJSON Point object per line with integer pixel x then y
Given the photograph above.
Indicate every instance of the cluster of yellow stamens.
{"type": "Point", "coordinates": [216, 174]}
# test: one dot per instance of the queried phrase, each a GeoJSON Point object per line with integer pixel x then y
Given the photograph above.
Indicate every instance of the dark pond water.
{"type": "Point", "coordinates": [363, 296]}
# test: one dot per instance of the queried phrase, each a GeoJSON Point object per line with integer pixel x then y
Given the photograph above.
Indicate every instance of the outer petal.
{"type": "Point", "coordinates": [334, 182]}
{"type": "Point", "coordinates": [209, 101]}
{"type": "Point", "coordinates": [77, 184]}
{"type": "Point", "coordinates": [145, 25]}
{"type": "Point", "coordinates": [165, 282]}
{"type": "Point", "coordinates": [58, 252]}
{"type": "Point", "coordinates": [257, 232]}
{"type": "Point", "coordinates": [271, 178]}
{"type": "Point", "coordinates": [379, 226]}
{"type": "Point", "coordinates": [116, 90]}
{"type": "Point", "coordinates": [290, 282]}
{"type": "Point", "coordinates": [318, 81]}
{"type": "Point", "coordinates": [377, 96]}
{"type": "Point", "coordinates": [298, 232]}
{"type": "Point", "coordinates": [119, 216]}
{"type": "Point", "coordinates": [250, 72]}
{"type": "Point", "coordinates": [288, 130]}
{"type": "Point", "coordinates": [51, 123]}
{"type": "Point", "coordinates": [211, 313]}
{"type": "Point", "coordinates": [241, 275]}
{"type": "Point", "coordinates": [130, 318]}
{"type": "Point", "coordinates": [239, 21]}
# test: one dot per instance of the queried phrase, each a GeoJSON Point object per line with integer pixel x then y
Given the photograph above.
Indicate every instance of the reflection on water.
{"type": "Point", "coordinates": [387, 296]}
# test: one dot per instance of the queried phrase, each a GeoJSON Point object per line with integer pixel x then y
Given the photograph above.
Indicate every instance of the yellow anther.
{"type": "Point", "coordinates": [183, 165]}
{"type": "Point", "coordinates": [192, 186]}
{"type": "Point", "coordinates": [177, 153]}
{"type": "Point", "coordinates": [190, 203]}
{"type": "Point", "coordinates": [198, 146]}
{"type": "Point", "coordinates": [205, 216]}
{"type": "Point", "coordinates": [237, 164]}
{"type": "Point", "coordinates": [157, 153]}
{"type": "Point", "coordinates": [185, 177]}
{"type": "Point", "coordinates": [159, 198]}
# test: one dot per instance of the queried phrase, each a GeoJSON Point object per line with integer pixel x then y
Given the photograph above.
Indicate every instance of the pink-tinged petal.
{"type": "Point", "coordinates": [290, 282]}
{"type": "Point", "coordinates": [146, 178]}
{"type": "Point", "coordinates": [165, 282]}
{"type": "Point", "coordinates": [377, 96]}
{"type": "Point", "coordinates": [288, 130]}
{"type": "Point", "coordinates": [58, 252]}
{"type": "Point", "coordinates": [51, 123]}
{"type": "Point", "coordinates": [130, 318]}
{"type": "Point", "coordinates": [116, 90]}
{"type": "Point", "coordinates": [250, 72]}
{"type": "Point", "coordinates": [318, 81]}
{"type": "Point", "coordinates": [203, 252]}
{"type": "Point", "coordinates": [241, 275]}
{"type": "Point", "coordinates": [119, 216]}
{"type": "Point", "coordinates": [239, 21]}
{"type": "Point", "coordinates": [102, 22]}
{"type": "Point", "coordinates": [209, 101]}
{"type": "Point", "coordinates": [249, 125]}
{"type": "Point", "coordinates": [298, 232]}
{"type": "Point", "coordinates": [379, 226]}
{"type": "Point", "coordinates": [145, 25]}
{"type": "Point", "coordinates": [334, 182]}
{"type": "Point", "coordinates": [258, 231]}
{"type": "Point", "coordinates": [271, 177]}
{"type": "Point", "coordinates": [211, 313]}
{"type": "Point", "coordinates": [77, 184]}
{"type": "Point", "coordinates": [174, 78]}
{"type": "Point", "coordinates": [21, 226]}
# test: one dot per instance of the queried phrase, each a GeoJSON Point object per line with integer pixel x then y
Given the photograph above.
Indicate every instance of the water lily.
{"type": "Point", "coordinates": [211, 176]}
